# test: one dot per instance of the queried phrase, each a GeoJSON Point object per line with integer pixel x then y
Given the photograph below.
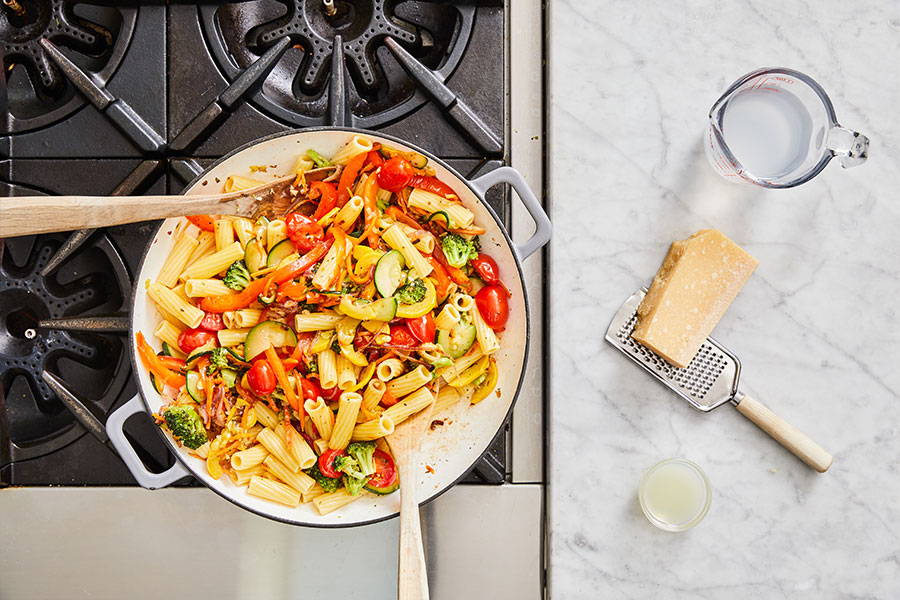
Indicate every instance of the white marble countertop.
{"type": "Point", "coordinates": [816, 327]}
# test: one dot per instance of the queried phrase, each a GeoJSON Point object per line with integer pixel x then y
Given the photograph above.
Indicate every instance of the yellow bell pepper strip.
{"type": "Point", "coordinates": [348, 176]}
{"type": "Point", "coordinates": [155, 365]}
{"type": "Point", "coordinates": [281, 376]}
{"type": "Point", "coordinates": [297, 267]}
{"type": "Point", "coordinates": [470, 374]}
{"type": "Point", "coordinates": [489, 384]}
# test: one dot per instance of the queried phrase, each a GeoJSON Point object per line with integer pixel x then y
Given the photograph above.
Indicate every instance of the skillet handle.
{"type": "Point", "coordinates": [543, 228]}
{"type": "Point", "coordinates": [146, 479]}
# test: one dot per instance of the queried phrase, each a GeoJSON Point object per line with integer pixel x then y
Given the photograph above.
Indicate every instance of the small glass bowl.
{"type": "Point", "coordinates": [686, 524]}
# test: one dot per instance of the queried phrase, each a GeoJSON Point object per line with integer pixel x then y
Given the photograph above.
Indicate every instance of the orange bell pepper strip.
{"type": "Point", "coordinates": [297, 267]}
{"type": "Point", "coordinates": [455, 274]}
{"type": "Point", "coordinates": [396, 214]}
{"type": "Point", "coordinates": [440, 275]}
{"type": "Point", "coordinates": [244, 298]}
{"type": "Point", "coordinates": [370, 210]}
{"type": "Point", "coordinates": [281, 376]}
{"type": "Point", "coordinates": [373, 160]}
{"type": "Point", "coordinates": [327, 194]}
{"type": "Point", "coordinates": [204, 222]}
{"type": "Point", "coordinates": [293, 290]}
{"type": "Point", "coordinates": [172, 363]}
{"type": "Point", "coordinates": [156, 366]}
{"type": "Point", "coordinates": [348, 176]}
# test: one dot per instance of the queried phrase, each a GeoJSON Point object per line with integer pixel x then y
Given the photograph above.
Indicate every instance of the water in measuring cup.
{"type": "Point", "coordinates": [767, 131]}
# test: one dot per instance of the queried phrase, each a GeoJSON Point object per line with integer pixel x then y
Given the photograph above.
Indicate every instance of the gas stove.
{"type": "Point", "coordinates": [136, 97]}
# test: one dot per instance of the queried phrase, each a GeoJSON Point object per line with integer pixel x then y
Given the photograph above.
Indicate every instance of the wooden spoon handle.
{"type": "Point", "coordinates": [785, 434]}
{"type": "Point", "coordinates": [27, 215]}
{"type": "Point", "coordinates": [412, 575]}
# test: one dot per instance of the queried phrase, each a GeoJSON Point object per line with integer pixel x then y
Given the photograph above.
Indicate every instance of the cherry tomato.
{"type": "Point", "coordinates": [303, 231]}
{"type": "Point", "coordinates": [261, 378]}
{"type": "Point", "coordinates": [310, 389]}
{"type": "Point", "coordinates": [395, 174]}
{"type": "Point", "coordinates": [422, 328]}
{"type": "Point", "coordinates": [191, 339]}
{"type": "Point", "coordinates": [212, 322]}
{"type": "Point", "coordinates": [332, 394]}
{"type": "Point", "coordinates": [493, 306]}
{"type": "Point", "coordinates": [326, 462]}
{"type": "Point", "coordinates": [401, 336]}
{"type": "Point", "coordinates": [385, 471]}
{"type": "Point", "coordinates": [486, 267]}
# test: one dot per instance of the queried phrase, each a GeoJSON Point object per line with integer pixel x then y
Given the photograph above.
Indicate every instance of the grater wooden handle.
{"type": "Point", "coordinates": [784, 433]}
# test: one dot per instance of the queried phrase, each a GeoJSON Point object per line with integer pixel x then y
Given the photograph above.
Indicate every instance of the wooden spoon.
{"type": "Point", "coordinates": [412, 575]}
{"type": "Point", "coordinates": [27, 215]}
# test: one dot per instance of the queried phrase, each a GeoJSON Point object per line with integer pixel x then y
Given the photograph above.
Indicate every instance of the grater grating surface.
{"type": "Point", "coordinates": [711, 378]}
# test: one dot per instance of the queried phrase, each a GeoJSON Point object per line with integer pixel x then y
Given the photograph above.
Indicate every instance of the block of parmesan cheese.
{"type": "Point", "coordinates": [697, 282]}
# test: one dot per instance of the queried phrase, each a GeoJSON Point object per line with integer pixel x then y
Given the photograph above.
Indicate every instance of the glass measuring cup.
{"type": "Point", "coordinates": [776, 128]}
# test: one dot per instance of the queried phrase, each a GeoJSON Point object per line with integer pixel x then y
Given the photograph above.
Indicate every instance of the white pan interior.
{"type": "Point", "coordinates": [450, 450]}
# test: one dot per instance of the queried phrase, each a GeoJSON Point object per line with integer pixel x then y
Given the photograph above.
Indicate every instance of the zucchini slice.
{"type": "Point", "coordinates": [380, 310]}
{"type": "Point", "coordinates": [198, 352]}
{"type": "Point", "coordinates": [192, 385]}
{"type": "Point", "coordinates": [389, 273]}
{"type": "Point", "coordinates": [265, 334]}
{"type": "Point", "coordinates": [229, 377]}
{"type": "Point", "coordinates": [281, 250]}
{"type": "Point", "coordinates": [458, 340]}
{"type": "Point", "coordinates": [254, 256]}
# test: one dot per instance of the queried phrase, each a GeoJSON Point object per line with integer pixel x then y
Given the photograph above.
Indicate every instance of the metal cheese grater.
{"type": "Point", "coordinates": [710, 380]}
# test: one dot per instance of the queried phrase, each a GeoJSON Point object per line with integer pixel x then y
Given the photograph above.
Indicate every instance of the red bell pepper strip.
{"type": "Point", "coordinates": [327, 195]}
{"type": "Point", "coordinates": [155, 365]}
{"type": "Point", "coordinates": [373, 160]}
{"type": "Point", "coordinates": [348, 176]}
{"type": "Point", "coordinates": [297, 267]}
{"type": "Point", "coordinates": [433, 185]}
{"type": "Point", "coordinates": [204, 222]}
{"type": "Point", "coordinates": [244, 298]}
{"type": "Point", "coordinates": [171, 362]}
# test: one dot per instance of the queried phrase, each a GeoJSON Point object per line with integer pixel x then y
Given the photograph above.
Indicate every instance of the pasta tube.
{"type": "Point", "coordinates": [446, 398]}
{"type": "Point", "coordinates": [371, 397]}
{"type": "Point", "coordinates": [346, 373]}
{"type": "Point", "coordinates": [177, 259]}
{"type": "Point", "coordinates": [409, 405]}
{"type": "Point", "coordinates": [347, 215]}
{"type": "Point", "coordinates": [378, 427]}
{"type": "Point", "coordinates": [428, 202]}
{"type": "Point", "coordinates": [269, 489]}
{"type": "Point", "coordinates": [299, 481]}
{"type": "Point", "coordinates": [276, 446]}
{"type": "Point", "coordinates": [398, 240]}
{"type": "Point", "coordinates": [315, 322]}
{"type": "Point", "coordinates": [214, 263]}
{"type": "Point", "coordinates": [244, 459]}
{"type": "Point", "coordinates": [388, 369]}
{"type": "Point", "coordinates": [243, 228]}
{"type": "Point", "coordinates": [169, 333]}
{"type": "Point", "coordinates": [348, 408]}
{"type": "Point", "coordinates": [265, 415]}
{"type": "Point", "coordinates": [206, 244]}
{"type": "Point", "coordinates": [202, 288]}
{"type": "Point", "coordinates": [486, 337]}
{"type": "Point", "coordinates": [357, 145]}
{"type": "Point", "coordinates": [243, 476]}
{"type": "Point", "coordinates": [237, 183]}
{"type": "Point", "coordinates": [175, 305]}
{"type": "Point", "coordinates": [321, 416]}
{"type": "Point", "coordinates": [223, 231]}
{"type": "Point", "coordinates": [407, 384]}
{"type": "Point", "coordinates": [232, 337]}
{"type": "Point", "coordinates": [298, 448]}
{"type": "Point", "coordinates": [447, 318]}
{"type": "Point", "coordinates": [245, 317]}
{"type": "Point", "coordinates": [328, 376]}
{"type": "Point", "coordinates": [330, 502]}
{"type": "Point", "coordinates": [275, 232]}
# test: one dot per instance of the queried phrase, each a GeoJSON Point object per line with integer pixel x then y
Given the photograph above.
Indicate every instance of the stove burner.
{"type": "Point", "coordinates": [378, 89]}
{"type": "Point", "coordinates": [38, 341]}
{"type": "Point", "coordinates": [39, 92]}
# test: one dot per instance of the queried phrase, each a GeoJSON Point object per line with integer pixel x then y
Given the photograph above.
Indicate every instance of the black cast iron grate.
{"type": "Point", "coordinates": [38, 92]}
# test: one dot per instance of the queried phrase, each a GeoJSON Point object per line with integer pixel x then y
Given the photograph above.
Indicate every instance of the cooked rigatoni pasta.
{"type": "Point", "coordinates": [173, 304]}
{"type": "Point", "coordinates": [246, 317]}
{"type": "Point", "coordinates": [263, 487]}
{"type": "Point", "coordinates": [409, 405]}
{"type": "Point", "coordinates": [214, 263]}
{"type": "Point", "coordinates": [185, 245]}
{"type": "Point", "coordinates": [291, 350]}
{"type": "Point", "coordinates": [407, 384]}
{"type": "Point", "coordinates": [388, 369]}
{"type": "Point", "coordinates": [321, 416]}
{"type": "Point", "coordinates": [201, 288]}
{"type": "Point", "coordinates": [348, 408]}
{"type": "Point", "coordinates": [397, 239]}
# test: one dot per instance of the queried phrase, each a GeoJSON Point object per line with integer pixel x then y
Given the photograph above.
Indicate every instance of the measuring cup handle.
{"type": "Point", "coordinates": [851, 147]}
{"type": "Point", "coordinates": [784, 433]}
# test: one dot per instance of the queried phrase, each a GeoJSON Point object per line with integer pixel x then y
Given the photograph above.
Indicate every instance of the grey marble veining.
{"type": "Point", "coordinates": [816, 327]}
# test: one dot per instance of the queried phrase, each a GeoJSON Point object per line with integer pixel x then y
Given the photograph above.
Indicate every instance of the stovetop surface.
{"type": "Point", "coordinates": [131, 98]}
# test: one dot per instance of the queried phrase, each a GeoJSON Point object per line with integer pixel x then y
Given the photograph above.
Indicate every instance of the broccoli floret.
{"type": "Point", "coordinates": [458, 250]}
{"type": "Point", "coordinates": [348, 466]}
{"type": "Point", "coordinates": [412, 292]}
{"type": "Point", "coordinates": [354, 485]}
{"type": "Point", "coordinates": [364, 453]}
{"type": "Point", "coordinates": [186, 425]}
{"type": "Point", "coordinates": [329, 484]}
{"type": "Point", "coordinates": [217, 360]}
{"type": "Point", "coordinates": [237, 277]}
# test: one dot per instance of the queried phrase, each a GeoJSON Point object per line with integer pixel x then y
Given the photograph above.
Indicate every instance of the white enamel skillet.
{"type": "Point", "coordinates": [451, 450]}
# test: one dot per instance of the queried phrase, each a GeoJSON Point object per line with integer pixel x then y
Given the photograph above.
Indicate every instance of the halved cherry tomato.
{"type": "Point", "coordinates": [486, 267]}
{"type": "Point", "coordinates": [261, 378]}
{"type": "Point", "coordinates": [326, 462]}
{"type": "Point", "coordinates": [431, 184]}
{"type": "Point", "coordinates": [212, 322]}
{"type": "Point", "coordinates": [422, 328]}
{"type": "Point", "coordinates": [191, 339]}
{"type": "Point", "coordinates": [395, 174]}
{"type": "Point", "coordinates": [303, 231]}
{"type": "Point", "coordinates": [401, 336]}
{"type": "Point", "coordinates": [310, 389]}
{"type": "Point", "coordinates": [385, 471]}
{"type": "Point", "coordinates": [493, 305]}
{"type": "Point", "coordinates": [204, 222]}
